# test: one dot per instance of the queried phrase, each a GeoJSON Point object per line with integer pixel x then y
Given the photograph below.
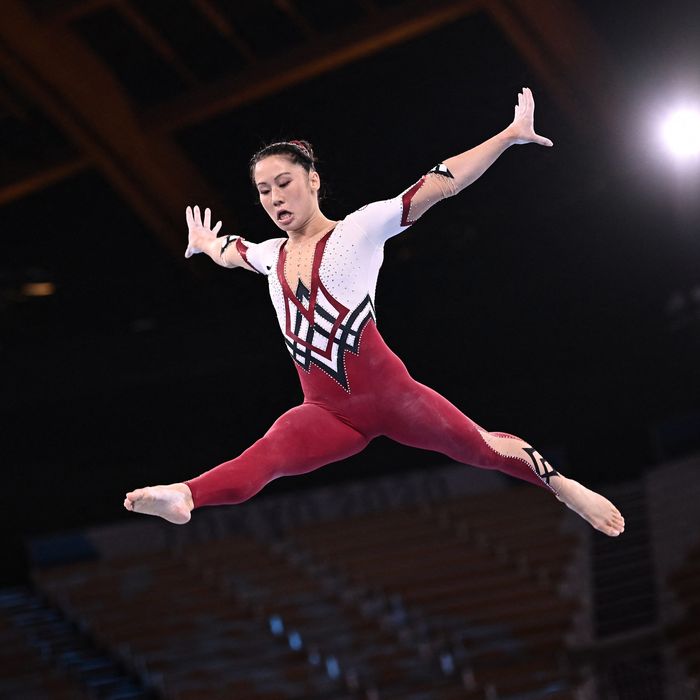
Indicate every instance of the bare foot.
{"type": "Point", "coordinates": [591, 506]}
{"type": "Point", "coordinates": [173, 502]}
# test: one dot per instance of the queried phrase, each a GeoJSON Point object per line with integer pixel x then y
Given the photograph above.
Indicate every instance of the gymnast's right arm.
{"type": "Point", "coordinates": [227, 251]}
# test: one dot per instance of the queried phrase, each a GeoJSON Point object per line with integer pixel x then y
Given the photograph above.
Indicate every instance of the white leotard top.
{"type": "Point", "coordinates": [322, 323]}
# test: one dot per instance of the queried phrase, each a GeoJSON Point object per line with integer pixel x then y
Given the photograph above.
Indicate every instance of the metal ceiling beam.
{"type": "Point", "coordinates": [149, 172]}
{"type": "Point", "coordinates": [378, 32]}
{"type": "Point", "coordinates": [40, 178]}
{"type": "Point", "coordinates": [382, 29]}
{"type": "Point", "coordinates": [551, 35]}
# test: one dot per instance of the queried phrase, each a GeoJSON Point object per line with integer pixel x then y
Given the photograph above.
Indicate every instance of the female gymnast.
{"type": "Point", "coordinates": [322, 277]}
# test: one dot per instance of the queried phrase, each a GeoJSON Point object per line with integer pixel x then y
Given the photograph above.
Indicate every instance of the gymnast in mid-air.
{"type": "Point", "coordinates": [322, 277]}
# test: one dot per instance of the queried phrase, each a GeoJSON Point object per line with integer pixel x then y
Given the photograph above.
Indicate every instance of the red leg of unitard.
{"type": "Point", "coordinates": [386, 400]}
{"type": "Point", "coordinates": [428, 420]}
{"type": "Point", "coordinates": [302, 439]}
{"type": "Point", "coordinates": [333, 424]}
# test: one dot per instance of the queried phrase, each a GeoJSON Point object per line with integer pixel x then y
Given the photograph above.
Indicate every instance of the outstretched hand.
{"type": "Point", "coordinates": [199, 232]}
{"type": "Point", "coordinates": [522, 128]}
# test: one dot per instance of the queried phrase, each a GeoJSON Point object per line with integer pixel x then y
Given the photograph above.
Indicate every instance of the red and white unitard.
{"type": "Point", "coordinates": [355, 388]}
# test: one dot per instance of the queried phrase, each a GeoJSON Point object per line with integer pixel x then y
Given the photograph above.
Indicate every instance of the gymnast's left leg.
{"type": "Point", "coordinates": [423, 418]}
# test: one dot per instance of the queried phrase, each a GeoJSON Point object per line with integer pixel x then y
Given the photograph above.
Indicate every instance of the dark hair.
{"type": "Point", "coordinates": [299, 152]}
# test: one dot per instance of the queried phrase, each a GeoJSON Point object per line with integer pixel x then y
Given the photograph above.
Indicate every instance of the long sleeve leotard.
{"type": "Point", "coordinates": [355, 388]}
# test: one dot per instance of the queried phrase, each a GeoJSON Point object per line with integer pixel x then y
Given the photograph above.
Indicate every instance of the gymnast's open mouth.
{"type": "Point", "coordinates": [284, 216]}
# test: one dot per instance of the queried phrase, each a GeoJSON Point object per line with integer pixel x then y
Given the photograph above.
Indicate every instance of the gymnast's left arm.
{"type": "Point", "coordinates": [455, 173]}
{"type": "Point", "coordinates": [381, 220]}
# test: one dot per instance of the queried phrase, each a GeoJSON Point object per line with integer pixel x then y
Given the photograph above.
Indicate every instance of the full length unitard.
{"type": "Point", "coordinates": [355, 388]}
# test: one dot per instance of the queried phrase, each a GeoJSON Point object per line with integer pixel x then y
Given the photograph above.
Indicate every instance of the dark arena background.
{"type": "Point", "coordinates": [557, 298]}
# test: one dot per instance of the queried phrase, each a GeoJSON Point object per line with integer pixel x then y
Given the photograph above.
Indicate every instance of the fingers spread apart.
{"type": "Point", "coordinates": [193, 217]}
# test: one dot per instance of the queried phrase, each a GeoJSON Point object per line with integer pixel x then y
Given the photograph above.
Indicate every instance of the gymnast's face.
{"type": "Point", "coordinates": [288, 193]}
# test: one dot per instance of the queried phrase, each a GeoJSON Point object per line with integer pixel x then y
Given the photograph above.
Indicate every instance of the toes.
{"type": "Point", "coordinates": [613, 527]}
{"type": "Point", "coordinates": [610, 528]}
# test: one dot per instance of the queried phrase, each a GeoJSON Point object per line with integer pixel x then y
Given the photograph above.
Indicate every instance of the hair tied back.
{"type": "Point", "coordinates": [302, 147]}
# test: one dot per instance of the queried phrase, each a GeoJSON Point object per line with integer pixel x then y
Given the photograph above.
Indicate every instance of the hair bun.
{"type": "Point", "coordinates": [304, 147]}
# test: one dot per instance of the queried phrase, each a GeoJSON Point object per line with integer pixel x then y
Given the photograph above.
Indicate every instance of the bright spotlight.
{"type": "Point", "coordinates": [681, 132]}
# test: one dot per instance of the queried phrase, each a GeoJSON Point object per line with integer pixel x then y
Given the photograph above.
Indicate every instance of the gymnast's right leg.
{"type": "Point", "coordinates": [303, 439]}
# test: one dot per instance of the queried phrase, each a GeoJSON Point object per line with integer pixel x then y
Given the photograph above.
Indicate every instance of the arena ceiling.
{"type": "Point", "coordinates": [109, 84]}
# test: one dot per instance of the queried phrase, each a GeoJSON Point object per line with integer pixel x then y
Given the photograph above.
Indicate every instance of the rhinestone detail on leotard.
{"type": "Point", "coordinates": [318, 329]}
